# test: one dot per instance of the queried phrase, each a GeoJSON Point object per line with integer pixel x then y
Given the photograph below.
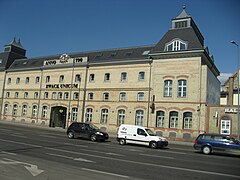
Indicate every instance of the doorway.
{"type": "Point", "coordinates": [58, 116]}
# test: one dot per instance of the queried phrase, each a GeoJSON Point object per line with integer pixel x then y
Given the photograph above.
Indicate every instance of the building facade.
{"type": "Point", "coordinates": [167, 86]}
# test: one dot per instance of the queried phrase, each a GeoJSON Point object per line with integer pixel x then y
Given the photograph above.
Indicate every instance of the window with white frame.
{"type": "Point", "coordinates": [27, 80]}
{"type": "Point", "coordinates": [160, 118]}
{"type": "Point", "coordinates": [46, 95]}
{"type": "Point", "coordinates": [66, 95]}
{"type": "Point", "coordinates": [121, 116]}
{"type": "Point", "coordinates": [168, 88]}
{"type": "Point", "coordinates": [91, 77]}
{"type": "Point", "coordinates": [104, 116]}
{"type": "Point", "coordinates": [16, 94]}
{"type": "Point", "coordinates": [61, 79]}
{"type": "Point", "coordinates": [34, 111]}
{"type": "Point", "coordinates": [141, 76]}
{"type": "Point", "coordinates": [90, 96]}
{"type": "Point", "coordinates": [37, 80]}
{"type": "Point", "coordinates": [187, 120]}
{"type": "Point", "coordinates": [123, 76]}
{"type": "Point", "coordinates": [89, 115]}
{"type": "Point", "coordinates": [7, 94]}
{"type": "Point", "coordinates": [25, 95]}
{"type": "Point", "coordinates": [122, 96]}
{"type": "Point", "coordinates": [173, 119]}
{"type": "Point", "coordinates": [107, 77]}
{"type": "Point", "coordinates": [140, 96]}
{"type": "Point", "coordinates": [9, 81]}
{"type": "Point", "coordinates": [77, 78]}
{"type": "Point", "coordinates": [36, 95]}
{"type": "Point", "coordinates": [60, 95]}
{"type": "Point", "coordinates": [15, 108]}
{"type": "Point", "coordinates": [54, 95]}
{"type": "Point", "coordinates": [74, 114]}
{"type": "Point", "coordinates": [6, 107]}
{"type": "Point", "coordinates": [24, 110]}
{"type": "Point", "coordinates": [44, 111]}
{"type": "Point", "coordinates": [106, 96]}
{"type": "Point", "coordinates": [47, 79]}
{"type": "Point", "coordinates": [18, 80]}
{"type": "Point", "coordinates": [139, 117]}
{"type": "Point", "coordinates": [76, 96]}
{"type": "Point", "coordinates": [176, 45]}
{"type": "Point", "coordinates": [182, 88]}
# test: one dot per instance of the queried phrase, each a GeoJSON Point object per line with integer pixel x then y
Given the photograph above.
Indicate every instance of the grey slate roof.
{"type": "Point", "coordinates": [105, 56]}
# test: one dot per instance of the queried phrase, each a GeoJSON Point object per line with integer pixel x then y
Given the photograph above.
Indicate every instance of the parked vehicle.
{"type": "Point", "coordinates": [209, 143]}
{"type": "Point", "coordinates": [131, 134]}
{"type": "Point", "coordinates": [87, 131]}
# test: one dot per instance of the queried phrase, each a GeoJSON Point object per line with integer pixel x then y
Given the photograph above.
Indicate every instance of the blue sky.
{"type": "Point", "coordinates": [49, 27]}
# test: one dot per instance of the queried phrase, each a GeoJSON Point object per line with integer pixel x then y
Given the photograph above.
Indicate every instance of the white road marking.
{"type": "Point", "coordinates": [77, 145]}
{"type": "Point", "coordinates": [69, 157]}
{"type": "Point", "coordinates": [173, 152]}
{"type": "Point", "coordinates": [48, 136]}
{"type": "Point", "coordinates": [9, 153]}
{"type": "Point", "coordinates": [156, 156]}
{"type": "Point", "coordinates": [27, 144]}
{"type": "Point", "coordinates": [135, 150]}
{"type": "Point", "coordinates": [33, 169]}
{"type": "Point", "coordinates": [16, 135]}
{"type": "Point", "coordinates": [107, 173]}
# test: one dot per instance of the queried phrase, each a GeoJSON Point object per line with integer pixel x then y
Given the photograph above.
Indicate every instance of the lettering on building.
{"type": "Point", "coordinates": [65, 59]}
{"type": "Point", "coordinates": [61, 86]}
{"type": "Point", "coordinates": [231, 110]}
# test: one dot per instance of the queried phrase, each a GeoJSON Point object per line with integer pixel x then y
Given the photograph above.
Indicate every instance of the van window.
{"type": "Point", "coordinates": [141, 132]}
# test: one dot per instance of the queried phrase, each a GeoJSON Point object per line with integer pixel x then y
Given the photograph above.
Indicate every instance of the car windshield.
{"type": "Point", "coordinates": [93, 126]}
{"type": "Point", "coordinates": [149, 131]}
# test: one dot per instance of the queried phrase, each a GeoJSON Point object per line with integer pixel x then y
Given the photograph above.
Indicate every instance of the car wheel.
{"type": "Point", "coordinates": [153, 145]}
{"type": "Point", "coordinates": [70, 135]}
{"type": "Point", "coordinates": [122, 141]}
{"type": "Point", "coordinates": [206, 150]}
{"type": "Point", "coordinates": [93, 137]}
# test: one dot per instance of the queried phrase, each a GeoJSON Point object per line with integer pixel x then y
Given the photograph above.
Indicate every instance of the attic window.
{"type": "Point", "coordinates": [176, 45]}
{"type": "Point", "coordinates": [128, 53]}
{"type": "Point", "coordinates": [113, 54]}
{"type": "Point", "coordinates": [98, 55]}
{"type": "Point", "coordinates": [145, 52]}
{"type": "Point", "coordinates": [180, 24]}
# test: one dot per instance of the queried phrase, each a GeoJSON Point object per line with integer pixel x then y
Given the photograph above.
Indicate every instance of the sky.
{"type": "Point", "coordinates": [51, 27]}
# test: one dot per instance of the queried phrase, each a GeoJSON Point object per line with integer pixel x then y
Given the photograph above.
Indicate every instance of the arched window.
{"type": "Point", "coordinates": [187, 120]}
{"type": "Point", "coordinates": [104, 116]}
{"type": "Point", "coordinates": [168, 88]}
{"type": "Point", "coordinates": [121, 116]}
{"type": "Point", "coordinates": [173, 119]}
{"type": "Point", "coordinates": [6, 106]}
{"type": "Point", "coordinates": [182, 88]}
{"type": "Point", "coordinates": [34, 111]}
{"type": "Point", "coordinates": [15, 108]}
{"type": "Point", "coordinates": [44, 111]}
{"type": "Point", "coordinates": [139, 117]}
{"type": "Point", "coordinates": [176, 45]}
{"type": "Point", "coordinates": [24, 110]}
{"type": "Point", "coordinates": [74, 114]}
{"type": "Point", "coordinates": [89, 115]}
{"type": "Point", "coordinates": [160, 119]}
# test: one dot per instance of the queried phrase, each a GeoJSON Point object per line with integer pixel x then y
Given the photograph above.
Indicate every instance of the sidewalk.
{"type": "Point", "coordinates": [112, 136]}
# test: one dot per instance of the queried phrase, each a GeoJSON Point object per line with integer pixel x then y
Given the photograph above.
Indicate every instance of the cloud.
{"type": "Point", "coordinates": [223, 77]}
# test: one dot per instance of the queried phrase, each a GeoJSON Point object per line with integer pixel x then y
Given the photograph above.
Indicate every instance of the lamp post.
{"type": "Point", "coordinates": [238, 111]}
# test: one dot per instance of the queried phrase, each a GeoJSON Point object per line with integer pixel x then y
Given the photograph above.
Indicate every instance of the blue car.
{"type": "Point", "coordinates": [209, 143]}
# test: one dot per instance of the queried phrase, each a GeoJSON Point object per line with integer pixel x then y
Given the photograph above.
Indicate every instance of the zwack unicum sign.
{"type": "Point", "coordinates": [65, 59]}
{"type": "Point", "coordinates": [61, 86]}
{"type": "Point", "coordinates": [231, 110]}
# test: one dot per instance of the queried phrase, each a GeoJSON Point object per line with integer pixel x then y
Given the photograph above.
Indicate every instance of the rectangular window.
{"type": "Point", "coordinates": [74, 114]}
{"type": "Point", "coordinates": [25, 95]}
{"type": "Point", "coordinates": [77, 78]}
{"type": "Point", "coordinates": [123, 76]}
{"type": "Point", "coordinates": [140, 96]}
{"type": "Point", "coordinates": [104, 116]}
{"type": "Point", "coordinates": [37, 80]}
{"type": "Point", "coordinates": [54, 95]}
{"type": "Point", "coordinates": [90, 96]}
{"type": "Point", "coordinates": [91, 77]}
{"type": "Point", "coordinates": [27, 80]}
{"type": "Point", "coordinates": [76, 96]}
{"type": "Point", "coordinates": [66, 95]}
{"type": "Point", "coordinates": [60, 95]}
{"type": "Point", "coordinates": [122, 96]}
{"type": "Point", "coordinates": [182, 88]}
{"type": "Point", "coordinates": [168, 88]}
{"type": "Point", "coordinates": [47, 79]}
{"type": "Point", "coordinates": [61, 79]}
{"type": "Point", "coordinates": [36, 95]}
{"type": "Point", "coordinates": [105, 96]}
{"type": "Point", "coordinates": [7, 94]}
{"type": "Point", "coordinates": [141, 76]}
{"type": "Point", "coordinates": [89, 115]}
{"type": "Point", "coordinates": [107, 77]}
{"type": "Point", "coordinates": [18, 80]}
{"type": "Point", "coordinates": [9, 81]}
{"type": "Point", "coordinates": [46, 95]}
{"type": "Point", "coordinates": [16, 94]}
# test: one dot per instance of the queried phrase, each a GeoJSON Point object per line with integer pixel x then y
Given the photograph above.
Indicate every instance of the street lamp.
{"type": "Point", "coordinates": [238, 121]}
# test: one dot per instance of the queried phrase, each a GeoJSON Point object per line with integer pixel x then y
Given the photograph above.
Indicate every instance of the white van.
{"type": "Point", "coordinates": [139, 135]}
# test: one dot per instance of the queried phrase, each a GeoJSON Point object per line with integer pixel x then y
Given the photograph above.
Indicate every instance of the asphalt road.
{"type": "Point", "coordinates": [28, 153]}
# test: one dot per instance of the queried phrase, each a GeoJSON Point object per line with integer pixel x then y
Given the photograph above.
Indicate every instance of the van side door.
{"type": "Point", "coordinates": [141, 137]}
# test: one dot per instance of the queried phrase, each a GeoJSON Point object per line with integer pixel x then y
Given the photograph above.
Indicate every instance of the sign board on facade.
{"type": "Point", "coordinates": [231, 110]}
{"type": "Point", "coordinates": [65, 59]}
{"type": "Point", "coordinates": [61, 86]}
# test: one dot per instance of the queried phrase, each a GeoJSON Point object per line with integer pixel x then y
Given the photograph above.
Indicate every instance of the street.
{"type": "Point", "coordinates": [27, 152]}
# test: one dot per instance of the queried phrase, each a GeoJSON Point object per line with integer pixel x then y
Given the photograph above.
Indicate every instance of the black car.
{"type": "Point", "coordinates": [86, 131]}
{"type": "Point", "coordinates": [209, 143]}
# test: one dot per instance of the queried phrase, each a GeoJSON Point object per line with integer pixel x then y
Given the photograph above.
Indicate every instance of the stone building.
{"type": "Point", "coordinates": [167, 86]}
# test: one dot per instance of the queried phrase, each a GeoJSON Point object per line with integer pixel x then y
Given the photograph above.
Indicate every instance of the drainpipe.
{"type": "Point", "coordinates": [84, 92]}
{"type": "Point", "coordinates": [149, 88]}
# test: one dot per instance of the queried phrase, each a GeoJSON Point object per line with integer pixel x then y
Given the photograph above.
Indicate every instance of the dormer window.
{"type": "Point", "coordinates": [176, 45]}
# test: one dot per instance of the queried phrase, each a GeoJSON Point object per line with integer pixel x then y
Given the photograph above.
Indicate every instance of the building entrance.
{"type": "Point", "coordinates": [58, 116]}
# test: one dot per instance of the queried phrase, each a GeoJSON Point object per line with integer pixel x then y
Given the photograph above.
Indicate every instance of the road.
{"type": "Point", "coordinates": [28, 153]}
